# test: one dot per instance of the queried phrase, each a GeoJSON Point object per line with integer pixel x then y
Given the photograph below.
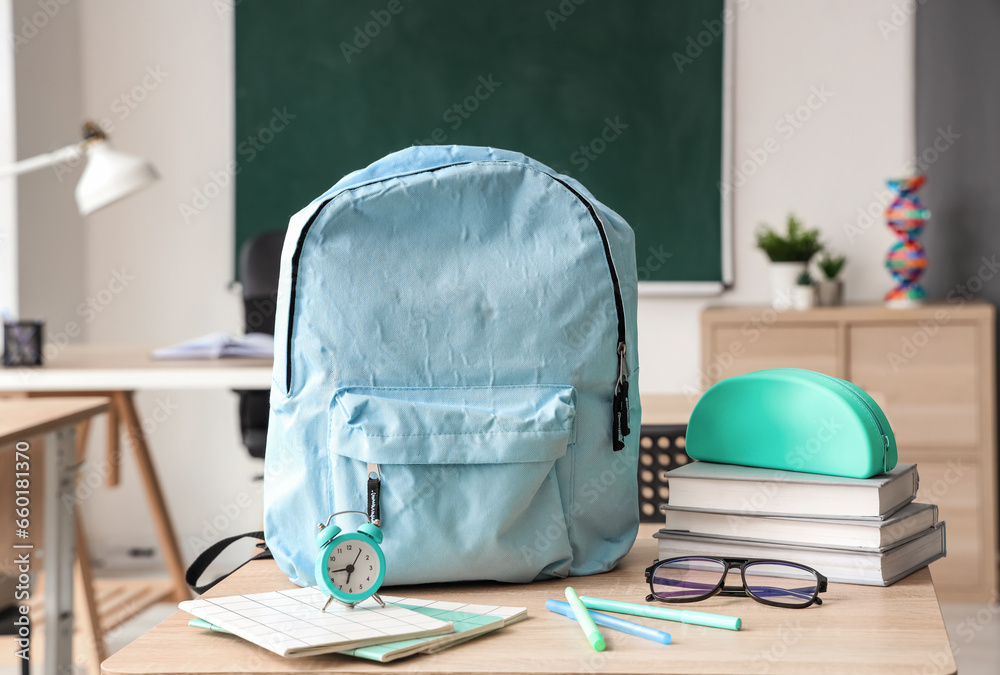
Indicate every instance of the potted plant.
{"type": "Point", "coordinates": [831, 289]}
{"type": "Point", "coordinates": [789, 254]}
{"type": "Point", "coordinates": [804, 294]}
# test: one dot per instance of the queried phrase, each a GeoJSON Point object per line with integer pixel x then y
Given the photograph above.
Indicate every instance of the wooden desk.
{"type": "Point", "coordinates": [116, 373]}
{"type": "Point", "coordinates": [21, 421]}
{"type": "Point", "coordinates": [858, 629]}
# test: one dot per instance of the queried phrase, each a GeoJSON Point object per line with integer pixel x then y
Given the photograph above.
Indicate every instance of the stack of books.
{"type": "Point", "coordinates": [852, 530]}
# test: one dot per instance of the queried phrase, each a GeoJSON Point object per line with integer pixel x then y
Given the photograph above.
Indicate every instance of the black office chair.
{"type": "Point", "coordinates": [260, 260]}
{"type": "Point", "coordinates": [8, 615]}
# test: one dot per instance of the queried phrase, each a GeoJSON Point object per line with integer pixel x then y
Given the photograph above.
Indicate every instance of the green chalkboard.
{"type": "Point", "coordinates": [625, 95]}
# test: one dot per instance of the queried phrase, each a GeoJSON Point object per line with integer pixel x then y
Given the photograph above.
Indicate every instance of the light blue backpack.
{"type": "Point", "coordinates": [464, 318]}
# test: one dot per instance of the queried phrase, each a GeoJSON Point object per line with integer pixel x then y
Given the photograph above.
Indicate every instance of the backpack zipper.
{"type": "Point", "coordinates": [619, 404]}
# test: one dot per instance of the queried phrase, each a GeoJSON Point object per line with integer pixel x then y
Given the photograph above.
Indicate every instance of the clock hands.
{"type": "Point", "coordinates": [350, 568]}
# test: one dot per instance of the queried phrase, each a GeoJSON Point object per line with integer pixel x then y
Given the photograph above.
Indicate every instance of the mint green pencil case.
{"type": "Point", "coordinates": [792, 419]}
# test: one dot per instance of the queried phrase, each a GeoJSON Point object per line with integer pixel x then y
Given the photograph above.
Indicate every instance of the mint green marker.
{"type": "Point", "coordinates": [205, 625]}
{"type": "Point", "coordinates": [681, 615]}
{"type": "Point", "coordinates": [585, 620]}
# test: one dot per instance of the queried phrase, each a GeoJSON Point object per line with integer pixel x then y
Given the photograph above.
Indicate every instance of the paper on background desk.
{"type": "Point", "coordinates": [221, 345]}
{"type": "Point", "coordinates": [291, 623]}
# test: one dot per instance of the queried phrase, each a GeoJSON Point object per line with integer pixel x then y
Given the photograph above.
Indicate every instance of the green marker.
{"type": "Point", "coordinates": [201, 623]}
{"type": "Point", "coordinates": [585, 620]}
{"type": "Point", "coordinates": [681, 615]}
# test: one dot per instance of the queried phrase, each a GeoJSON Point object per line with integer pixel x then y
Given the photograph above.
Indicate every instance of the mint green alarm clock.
{"type": "Point", "coordinates": [351, 566]}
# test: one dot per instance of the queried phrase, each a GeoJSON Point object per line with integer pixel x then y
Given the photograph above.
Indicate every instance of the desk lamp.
{"type": "Point", "coordinates": [108, 176]}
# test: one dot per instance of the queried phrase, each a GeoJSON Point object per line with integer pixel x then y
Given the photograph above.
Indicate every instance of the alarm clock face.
{"type": "Point", "coordinates": [354, 566]}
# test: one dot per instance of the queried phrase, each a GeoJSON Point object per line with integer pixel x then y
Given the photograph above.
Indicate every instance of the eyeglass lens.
{"type": "Point", "coordinates": [687, 578]}
{"type": "Point", "coordinates": [788, 584]}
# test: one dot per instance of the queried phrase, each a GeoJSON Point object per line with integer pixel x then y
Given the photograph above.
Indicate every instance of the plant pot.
{"type": "Point", "coordinates": [803, 297]}
{"type": "Point", "coordinates": [831, 293]}
{"type": "Point", "coordinates": [784, 276]}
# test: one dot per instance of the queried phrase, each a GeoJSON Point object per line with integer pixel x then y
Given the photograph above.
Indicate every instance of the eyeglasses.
{"type": "Point", "coordinates": [772, 582]}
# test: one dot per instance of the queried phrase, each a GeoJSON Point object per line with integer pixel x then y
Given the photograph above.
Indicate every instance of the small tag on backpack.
{"type": "Point", "coordinates": [374, 485]}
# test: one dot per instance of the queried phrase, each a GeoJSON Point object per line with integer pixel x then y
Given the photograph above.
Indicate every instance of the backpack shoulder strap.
{"type": "Point", "coordinates": [209, 555]}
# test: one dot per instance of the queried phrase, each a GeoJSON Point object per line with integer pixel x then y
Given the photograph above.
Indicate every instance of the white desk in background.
{"type": "Point", "coordinates": [117, 373]}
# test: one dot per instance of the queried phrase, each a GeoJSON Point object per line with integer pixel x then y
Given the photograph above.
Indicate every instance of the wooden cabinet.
{"type": "Point", "coordinates": [932, 371]}
{"type": "Point", "coordinates": [931, 398]}
{"type": "Point", "coordinates": [960, 488]}
{"type": "Point", "coordinates": [811, 347]}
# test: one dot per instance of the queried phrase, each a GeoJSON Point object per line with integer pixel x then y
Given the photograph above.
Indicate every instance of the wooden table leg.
{"type": "Point", "coordinates": [82, 432]}
{"type": "Point", "coordinates": [122, 400]}
{"type": "Point", "coordinates": [83, 583]}
{"type": "Point", "coordinates": [113, 453]}
{"type": "Point", "coordinates": [90, 621]}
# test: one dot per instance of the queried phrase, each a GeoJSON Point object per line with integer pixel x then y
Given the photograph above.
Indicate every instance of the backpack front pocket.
{"type": "Point", "coordinates": [469, 486]}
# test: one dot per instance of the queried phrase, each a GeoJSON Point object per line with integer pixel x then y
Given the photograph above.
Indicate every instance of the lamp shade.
{"type": "Point", "coordinates": [110, 175]}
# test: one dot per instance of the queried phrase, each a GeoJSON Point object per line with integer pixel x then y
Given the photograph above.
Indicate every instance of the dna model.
{"type": "Point", "coordinates": [906, 260]}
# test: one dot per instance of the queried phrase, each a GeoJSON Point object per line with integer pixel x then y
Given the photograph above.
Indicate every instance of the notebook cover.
{"type": "Point", "coordinates": [470, 622]}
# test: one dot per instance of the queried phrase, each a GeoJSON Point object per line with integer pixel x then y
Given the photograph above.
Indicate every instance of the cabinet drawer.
{"type": "Point", "coordinates": [927, 384]}
{"type": "Point", "coordinates": [957, 487]}
{"type": "Point", "coordinates": [735, 350]}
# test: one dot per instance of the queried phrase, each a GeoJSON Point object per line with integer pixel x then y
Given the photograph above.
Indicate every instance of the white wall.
{"type": "Point", "coordinates": [161, 72]}
{"type": "Point", "coordinates": [824, 171]}
{"type": "Point", "coordinates": [51, 233]}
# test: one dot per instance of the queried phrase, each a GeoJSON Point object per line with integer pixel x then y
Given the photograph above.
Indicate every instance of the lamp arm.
{"type": "Point", "coordinates": [69, 153]}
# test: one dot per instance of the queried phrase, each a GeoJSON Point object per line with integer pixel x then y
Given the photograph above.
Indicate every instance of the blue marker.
{"type": "Point", "coordinates": [612, 622]}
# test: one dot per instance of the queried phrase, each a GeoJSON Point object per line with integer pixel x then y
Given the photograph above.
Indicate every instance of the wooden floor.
{"type": "Point", "coordinates": [119, 601]}
{"type": "Point", "coordinates": [974, 630]}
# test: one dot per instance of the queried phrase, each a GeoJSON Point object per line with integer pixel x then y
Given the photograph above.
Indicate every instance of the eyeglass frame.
{"type": "Point", "coordinates": [732, 591]}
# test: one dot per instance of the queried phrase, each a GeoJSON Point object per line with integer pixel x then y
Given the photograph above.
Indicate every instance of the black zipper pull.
{"type": "Point", "coordinates": [619, 408]}
{"type": "Point", "coordinates": [374, 487]}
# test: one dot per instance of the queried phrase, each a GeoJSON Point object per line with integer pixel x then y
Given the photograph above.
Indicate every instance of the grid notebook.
{"type": "Point", "coordinates": [470, 621]}
{"type": "Point", "coordinates": [291, 623]}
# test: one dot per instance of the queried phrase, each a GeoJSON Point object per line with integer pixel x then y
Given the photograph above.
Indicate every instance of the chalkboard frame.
{"type": "Point", "coordinates": [709, 288]}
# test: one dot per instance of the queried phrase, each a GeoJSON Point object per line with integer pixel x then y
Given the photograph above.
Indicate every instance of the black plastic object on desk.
{"type": "Point", "coordinates": [22, 343]}
{"type": "Point", "coordinates": [661, 448]}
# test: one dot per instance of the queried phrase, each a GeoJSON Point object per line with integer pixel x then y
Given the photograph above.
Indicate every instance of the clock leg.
{"type": "Point", "coordinates": [327, 604]}
{"type": "Point", "coordinates": [379, 600]}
